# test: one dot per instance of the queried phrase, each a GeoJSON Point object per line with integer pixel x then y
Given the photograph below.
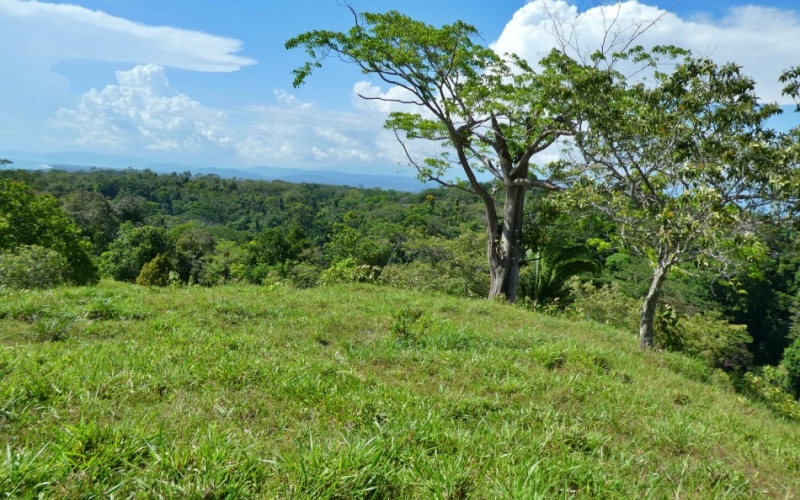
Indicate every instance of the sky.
{"type": "Point", "coordinates": [209, 83]}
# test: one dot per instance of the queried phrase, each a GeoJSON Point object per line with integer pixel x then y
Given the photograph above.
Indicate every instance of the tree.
{"type": "Point", "coordinates": [27, 218]}
{"type": "Point", "coordinates": [685, 167]}
{"type": "Point", "coordinates": [194, 244]}
{"type": "Point", "coordinates": [95, 216]}
{"type": "Point", "coordinates": [133, 248]}
{"type": "Point", "coordinates": [489, 114]}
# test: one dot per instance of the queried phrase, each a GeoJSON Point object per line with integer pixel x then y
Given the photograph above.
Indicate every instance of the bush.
{"type": "Point", "coordinates": [456, 266]}
{"type": "Point", "coordinates": [791, 363]}
{"type": "Point", "coordinates": [606, 305]}
{"type": "Point", "coordinates": [765, 384]}
{"type": "Point", "coordinates": [349, 271]}
{"type": "Point", "coordinates": [32, 266]}
{"type": "Point", "coordinates": [304, 275]}
{"type": "Point", "coordinates": [156, 272]}
{"type": "Point", "coordinates": [709, 337]}
{"type": "Point", "coordinates": [227, 263]}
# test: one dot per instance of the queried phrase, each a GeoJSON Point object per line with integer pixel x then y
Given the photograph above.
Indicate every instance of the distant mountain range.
{"type": "Point", "coordinates": [76, 162]}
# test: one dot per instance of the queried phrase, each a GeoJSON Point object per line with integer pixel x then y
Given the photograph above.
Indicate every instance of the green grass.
{"type": "Point", "coordinates": [360, 392]}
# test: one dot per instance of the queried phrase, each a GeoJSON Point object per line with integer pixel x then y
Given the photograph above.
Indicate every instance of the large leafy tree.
{"type": "Point", "coordinates": [490, 114]}
{"type": "Point", "coordinates": [684, 166]}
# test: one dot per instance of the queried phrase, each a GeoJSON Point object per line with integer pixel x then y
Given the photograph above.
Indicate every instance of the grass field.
{"type": "Point", "coordinates": [360, 392]}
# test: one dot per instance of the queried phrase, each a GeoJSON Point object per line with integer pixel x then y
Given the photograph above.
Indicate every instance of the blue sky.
{"type": "Point", "coordinates": [206, 82]}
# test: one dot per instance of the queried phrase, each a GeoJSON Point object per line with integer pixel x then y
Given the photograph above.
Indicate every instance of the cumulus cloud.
{"type": "Point", "coordinates": [51, 32]}
{"type": "Point", "coordinates": [141, 111]}
{"type": "Point", "coordinates": [761, 39]}
{"type": "Point", "coordinates": [36, 37]}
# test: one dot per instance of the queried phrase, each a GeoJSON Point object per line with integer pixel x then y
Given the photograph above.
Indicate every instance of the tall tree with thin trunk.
{"type": "Point", "coordinates": [490, 114]}
{"type": "Point", "coordinates": [684, 165]}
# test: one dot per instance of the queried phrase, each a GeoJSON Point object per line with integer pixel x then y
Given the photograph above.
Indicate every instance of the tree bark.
{"type": "Point", "coordinates": [647, 318]}
{"type": "Point", "coordinates": [505, 245]}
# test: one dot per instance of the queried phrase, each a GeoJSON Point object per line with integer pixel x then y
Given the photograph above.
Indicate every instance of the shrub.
{"type": "Point", "coordinates": [32, 266]}
{"type": "Point", "coordinates": [304, 275]}
{"type": "Point", "coordinates": [606, 305]}
{"type": "Point", "coordinates": [455, 266]}
{"type": "Point", "coordinates": [791, 363]}
{"type": "Point", "coordinates": [765, 385]}
{"type": "Point", "coordinates": [436, 277]}
{"type": "Point", "coordinates": [709, 337]}
{"type": "Point", "coordinates": [156, 272]}
{"type": "Point", "coordinates": [227, 263]}
{"type": "Point", "coordinates": [349, 271]}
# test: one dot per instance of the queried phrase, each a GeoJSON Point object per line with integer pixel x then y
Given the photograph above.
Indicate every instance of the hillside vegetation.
{"type": "Point", "coordinates": [358, 391]}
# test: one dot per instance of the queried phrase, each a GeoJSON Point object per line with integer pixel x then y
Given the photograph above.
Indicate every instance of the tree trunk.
{"type": "Point", "coordinates": [647, 318]}
{"type": "Point", "coordinates": [505, 246]}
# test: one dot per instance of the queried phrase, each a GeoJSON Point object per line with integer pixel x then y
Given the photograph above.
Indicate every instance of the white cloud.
{"type": "Point", "coordinates": [51, 32]}
{"type": "Point", "coordinates": [141, 111]}
{"type": "Point", "coordinates": [290, 99]}
{"type": "Point", "coordinates": [763, 40]}
{"type": "Point", "coordinates": [36, 37]}
{"type": "Point", "coordinates": [368, 96]}
{"type": "Point", "coordinates": [296, 133]}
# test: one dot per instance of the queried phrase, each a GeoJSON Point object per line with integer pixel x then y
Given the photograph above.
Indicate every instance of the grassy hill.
{"type": "Point", "coordinates": [360, 391]}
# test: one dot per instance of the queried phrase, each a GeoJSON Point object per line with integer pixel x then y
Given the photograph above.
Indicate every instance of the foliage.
{"type": "Point", "coordinates": [710, 337]}
{"type": "Point", "coordinates": [228, 263]}
{"type": "Point", "coordinates": [349, 271]}
{"type": "Point", "coordinates": [606, 304]}
{"type": "Point", "coordinates": [489, 114]}
{"type": "Point", "coordinates": [193, 245]}
{"type": "Point", "coordinates": [549, 269]}
{"type": "Point", "coordinates": [31, 266]}
{"type": "Point", "coordinates": [791, 363]}
{"type": "Point", "coordinates": [765, 385]}
{"type": "Point", "coordinates": [157, 272]}
{"type": "Point", "coordinates": [27, 218]}
{"type": "Point", "coordinates": [305, 275]}
{"type": "Point", "coordinates": [133, 248]}
{"type": "Point", "coordinates": [764, 297]}
{"type": "Point", "coordinates": [679, 165]}
{"type": "Point", "coordinates": [95, 215]}
{"type": "Point", "coordinates": [455, 266]}
{"type": "Point", "coordinates": [277, 245]}
{"type": "Point", "coordinates": [370, 244]}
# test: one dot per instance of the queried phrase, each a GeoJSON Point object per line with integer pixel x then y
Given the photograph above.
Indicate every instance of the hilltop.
{"type": "Point", "coordinates": [361, 391]}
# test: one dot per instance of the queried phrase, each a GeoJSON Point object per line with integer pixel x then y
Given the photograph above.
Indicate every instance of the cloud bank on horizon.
{"type": "Point", "coordinates": [138, 111]}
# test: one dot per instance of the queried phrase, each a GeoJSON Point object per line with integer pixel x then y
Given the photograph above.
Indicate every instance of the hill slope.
{"type": "Point", "coordinates": [360, 391]}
